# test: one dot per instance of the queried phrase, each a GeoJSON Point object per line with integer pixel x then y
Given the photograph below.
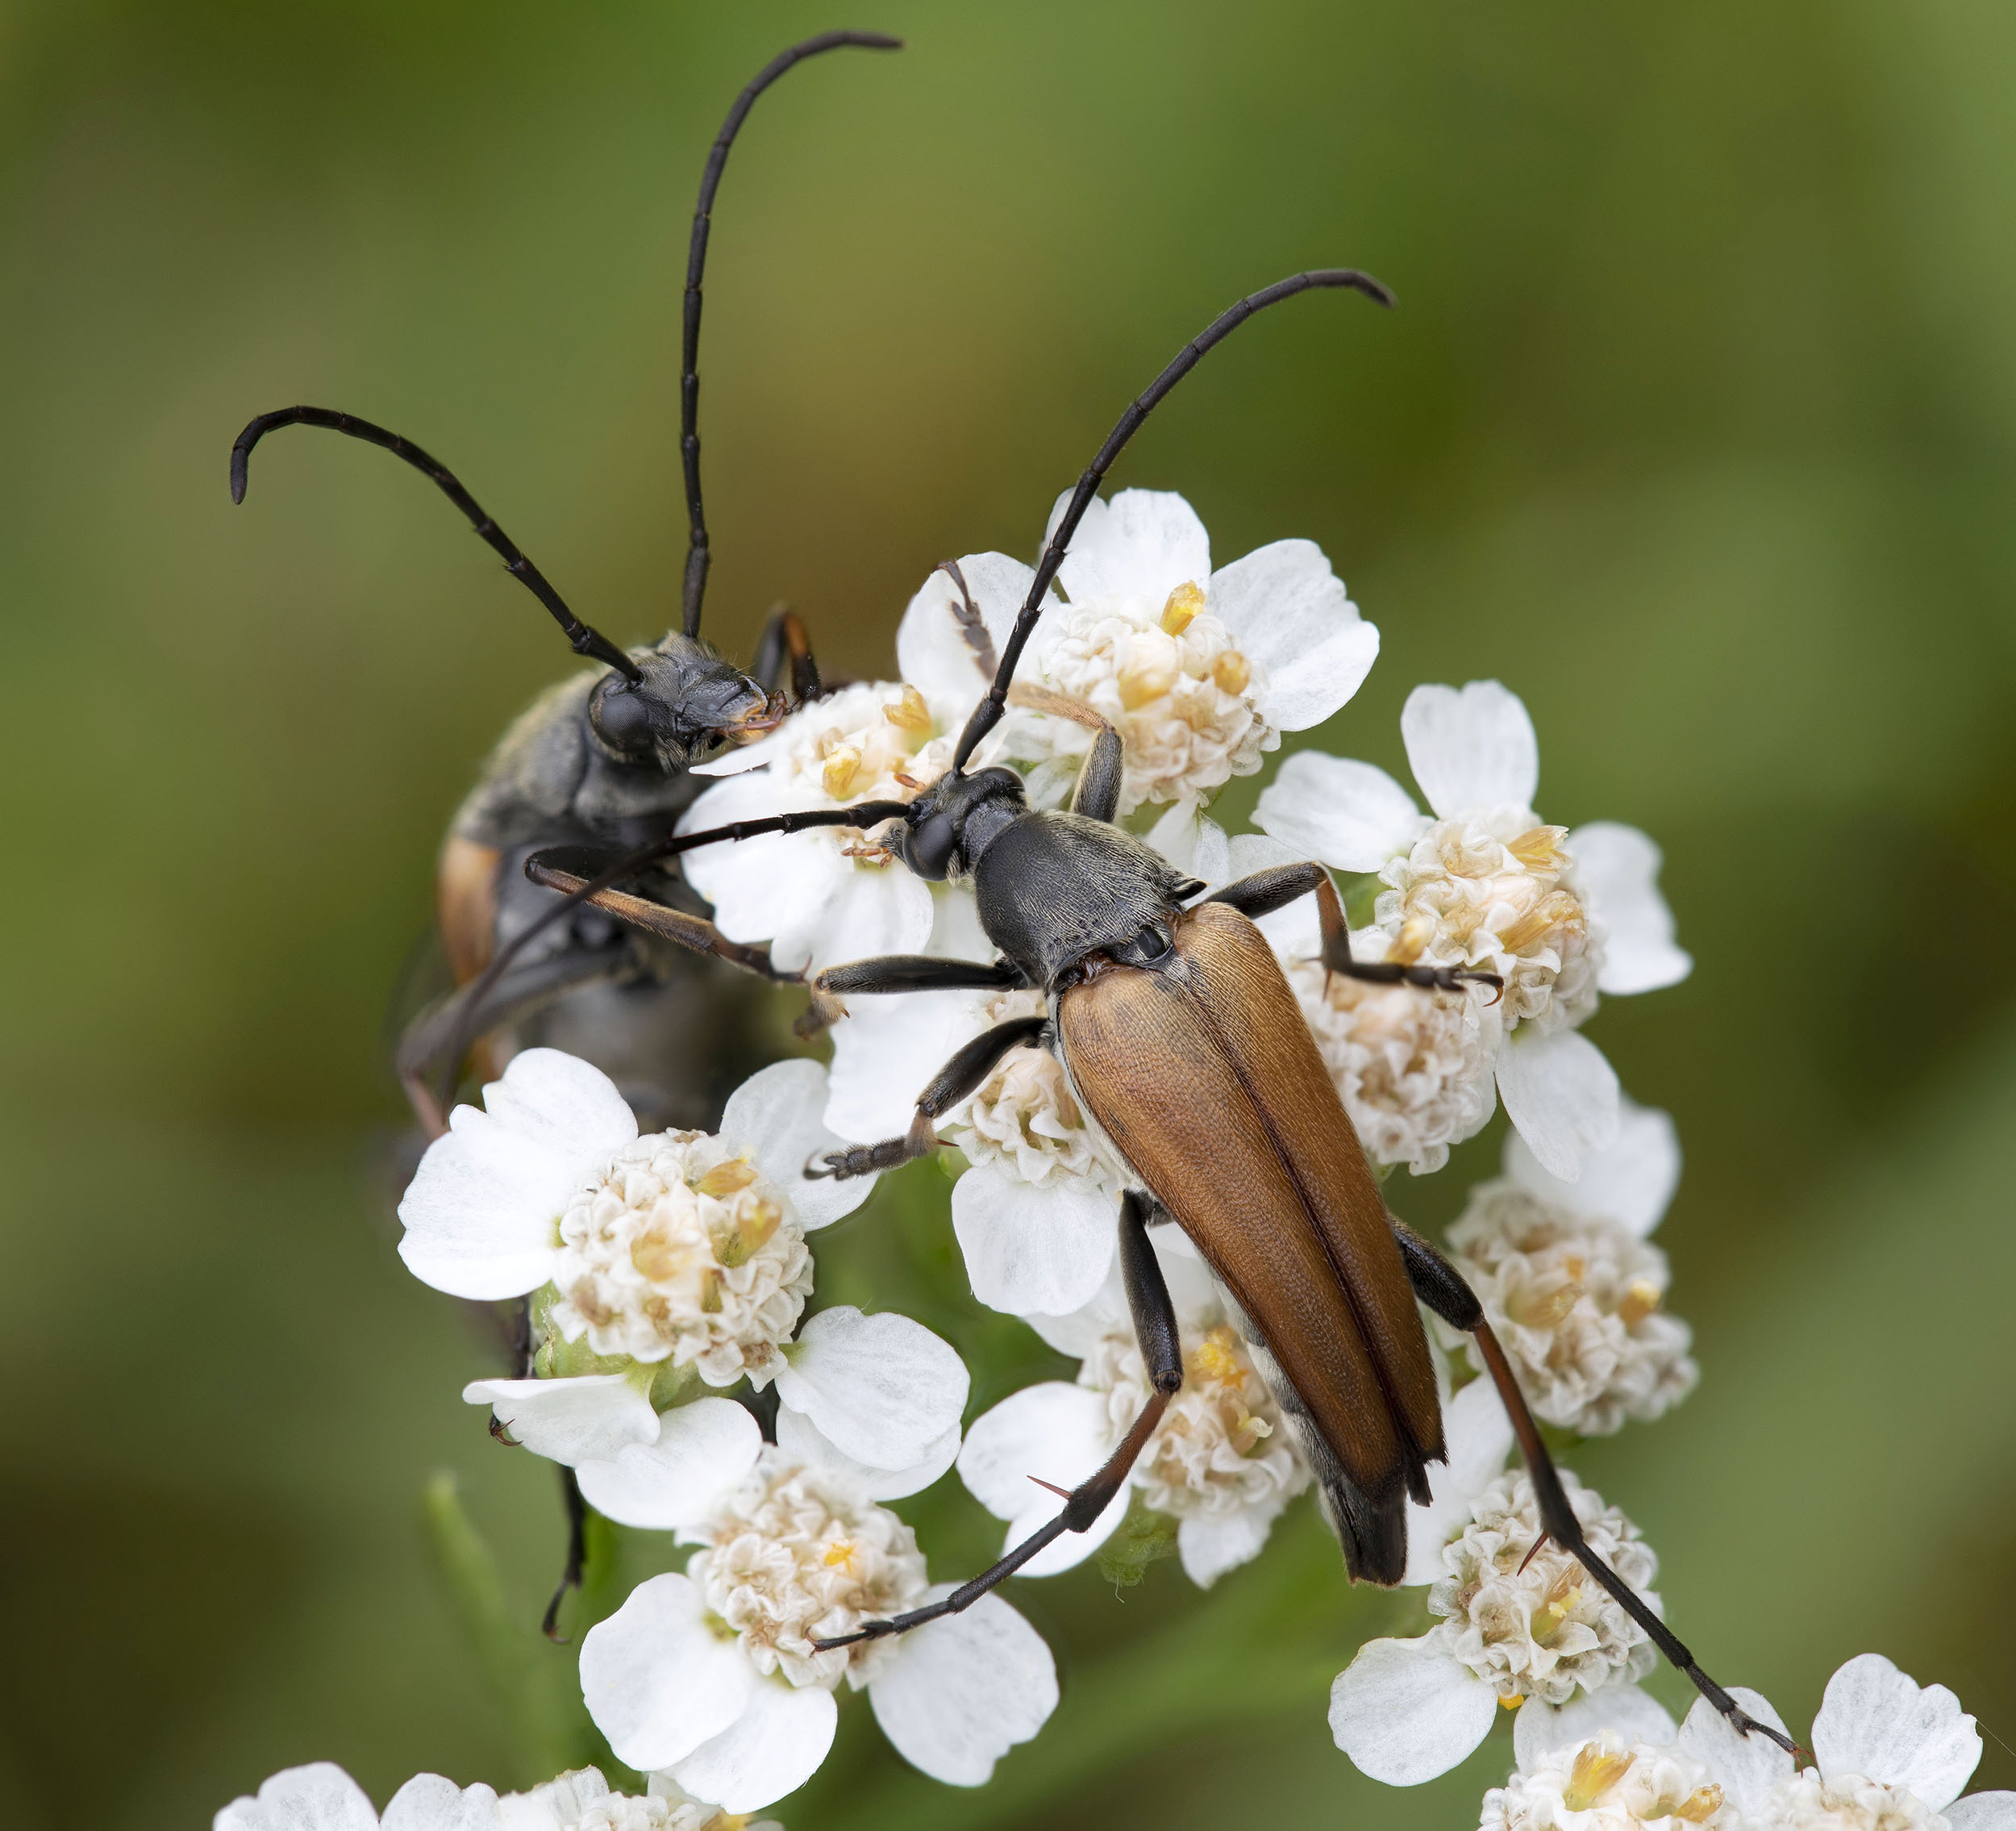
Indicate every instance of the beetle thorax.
{"type": "Point", "coordinates": [1055, 889]}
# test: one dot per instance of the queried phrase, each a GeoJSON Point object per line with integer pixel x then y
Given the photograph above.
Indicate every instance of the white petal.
{"type": "Point", "coordinates": [1618, 869]}
{"type": "Point", "coordinates": [878, 909]}
{"type": "Point", "coordinates": [657, 1679]}
{"type": "Point", "coordinates": [1405, 1711]}
{"type": "Point", "coordinates": [1211, 1544]}
{"type": "Point", "coordinates": [1880, 1723]}
{"type": "Point", "coordinates": [1192, 842]}
{"type": "Point", "coordinates": [702, 1450]}
{"type": "Point", "coordinates": [1982, 1811]}
{"type": "Point", "coordinates": [772, 1749]}
{"type": "Point", "coordinates": [481, 1210]}
{"type": "Point", "coordinates": [1746, 1767]}
{"type": "Point", "coordinates": [1563, 1096]}
{"type": "Point", "coordinates": [569, 1103]}
{"type": "Point", "coordinates": [1052, 1430]}
{"type": "Point", "coordinates": [586, 1418]}
{"type": "Point", "coordinates": [964, 1690]}
{"type": "Point", "coordinates": [1142, 544]}
{"type": "Point", "coordinates": [885, 1052]}
{"type": "Point", "coordinates": [932, 653]}
{"type": "Point", "coordinates": [1630, 1180]}
{"type": "Point", "coordinates": [778, 1116]}
{"type": "Point", "coordinates": [1058, 1432]}
{"type": "Point", "coordinates": [1479, 1437]}
{"type": "Point", "coordinates": [1287, 609]}
{"type": "Point", "coordinates": [882, 1389]}
{"type": "Point", "coordinates": [797, 1435]}
{"type": "Point", "coordinates": [318, 1797]}
{"type": "Point", "coordinates": [1475, 748]}
{"type": "Point", "coordinates": [1033, 1246]}
{"type": "Point", "coordinates": [1348, 814]}
{"type": "Point", "coordinates": [431, 1802]}
{"type": "Point", "coordinates": [1539, 1728]}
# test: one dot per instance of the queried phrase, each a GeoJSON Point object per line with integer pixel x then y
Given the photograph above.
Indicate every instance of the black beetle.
{"type": "Point", "coordinates": [599, 760]}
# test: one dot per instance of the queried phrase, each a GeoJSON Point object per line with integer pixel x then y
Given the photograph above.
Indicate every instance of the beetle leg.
{"type": "Point", "coordinates": [1275, 888]}
{"type": "Point", "coordinates": [783, 640]}
{"type": "Point", "coordinates": [1155, 1329]}
{"type": "Point", "coordinates": [694, 932]}
{"type": "Point", "coordinates": [453, 1023]}
{"type": "Point", "coordinates": [1097, 795]}
{"type": "Point", "coordinates": [919, 973]}
{"type": "Point", "coordinates": [576, 1507]}
{"type": "Point", "coordinates": [948, 1086]}
{"type": "Point", "coordinates": [1443, 1289]}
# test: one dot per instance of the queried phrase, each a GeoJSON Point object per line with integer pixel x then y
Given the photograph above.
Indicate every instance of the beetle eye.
{"type": "Point", "coordinates": [1150, 948]}
{"type": "Point", "coordinates": [622, 720]}
{"type": "Point", "coordinates": [927, 847]}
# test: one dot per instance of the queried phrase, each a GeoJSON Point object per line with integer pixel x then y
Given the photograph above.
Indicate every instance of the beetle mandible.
{"type": "Point", "coordinates": [1184, 1045]}
{"type": "Point", "coordinates": [596, 761]}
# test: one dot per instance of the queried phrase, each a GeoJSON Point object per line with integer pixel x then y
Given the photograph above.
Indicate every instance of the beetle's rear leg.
{"type": "Point", "coordinates": [693, 931]}
{"type": "Point", "coordinates": [1275, 888]}
{"type": "Point", "coordinates": [430, 1037]}
{"type": "Point", "coordinates": [1443, 1289]}
{"type": "Point", "coordinates": [1162, 1352]}
{"type": "Point", "coordinates": [952, 1083]}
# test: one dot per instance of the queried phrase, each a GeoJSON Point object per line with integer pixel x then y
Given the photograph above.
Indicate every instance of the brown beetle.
{"type": "Point", "coordinates": [1183, 1043]}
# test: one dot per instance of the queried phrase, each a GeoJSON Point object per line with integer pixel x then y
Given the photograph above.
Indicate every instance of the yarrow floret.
{"type": "Point", "coordinates": [799, 1552]}
{"type": "Point", "coordinates": [1199, 671]}
{"type": "Point", "coordinates": [1607, 1783]}
{"type": "Point", "coordinates": [831, 893]}
{"type": "Point", "coordinates": [1220, 1464]}
{"type": "Point", "coordinates": [664, 1259]}
{"type": "Point", "coordinates": [1889, 1755]}
{"type": "Point", "coordinates": [1533, 1623]}
{"type": "Point", "coordinates": [321, 1797]}
{"type": "Point", "coordinates": [1520, 1622]}
{"type": "Point", "coordinates": [680, 1250]}
{"type": "Point", "coordinates": [1483, 882]}
{"type": "Point", "coordinates": [1414, 1069]}
{"type": "Point", "coordinates": [714, 1675]}
{"type": "Point", "coordinates": [1571, 1285]}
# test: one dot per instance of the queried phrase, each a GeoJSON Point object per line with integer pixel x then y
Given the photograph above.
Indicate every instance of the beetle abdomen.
{"type": "Point", "coordinates": [1205, 1076]}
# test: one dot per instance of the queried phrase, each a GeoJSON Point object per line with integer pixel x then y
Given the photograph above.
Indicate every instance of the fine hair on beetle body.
{"type": "Point", "coordinates": [601, 761]}
{"type": "Point", "coordinates": [1185, 1046]}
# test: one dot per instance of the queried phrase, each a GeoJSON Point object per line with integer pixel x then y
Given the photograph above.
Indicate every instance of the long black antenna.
{"type": "Point", "coordinates": [585, 640]}
{"type": "Point", "coordinates": [697, 556]}
{"type": "Point", "coordinates": [987, 714]}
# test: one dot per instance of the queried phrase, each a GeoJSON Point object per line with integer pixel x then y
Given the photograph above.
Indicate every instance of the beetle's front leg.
{"type": "Point", "coordinates": [1275, 888]}
{"type": "Point", "coordinates": [1161, 1350]}
{"type": "Point", "coordinates": [959, 1078]}
{"type": "Point", "coordinates": [1443, 1288]}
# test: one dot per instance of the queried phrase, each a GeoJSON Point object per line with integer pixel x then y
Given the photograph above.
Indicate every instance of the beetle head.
{"type": "Point", "coordinates": [689, 703]}
{"type": "Point", "coordinates": [950, 824]}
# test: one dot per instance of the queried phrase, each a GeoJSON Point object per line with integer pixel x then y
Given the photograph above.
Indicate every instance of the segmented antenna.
{"type": "Point", "coordinates": [987, 714]}
{"type": "Point", "coordinates": [585, 640]}
{"type": "Point", "coordinates": [698, 556]}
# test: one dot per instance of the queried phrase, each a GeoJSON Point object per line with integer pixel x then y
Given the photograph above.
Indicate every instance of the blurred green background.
{"type": "Point", "coordinates": [1697, 426]}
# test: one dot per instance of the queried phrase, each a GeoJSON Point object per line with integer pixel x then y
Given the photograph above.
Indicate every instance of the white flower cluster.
{"type": "Point", "coordinates": [668, 1279]}
{"type": "Point", "coordinates": [322, 1797]}
{"type": "Point", "coordinates": [1888, 1755]}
